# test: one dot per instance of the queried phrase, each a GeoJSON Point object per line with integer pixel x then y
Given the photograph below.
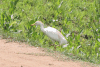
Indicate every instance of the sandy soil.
{"type": "Point", "coordinates": [21, 55]}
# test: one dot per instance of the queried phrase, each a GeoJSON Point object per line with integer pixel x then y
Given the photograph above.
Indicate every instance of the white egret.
{"type": "Point", "coordinates": [52, 33]}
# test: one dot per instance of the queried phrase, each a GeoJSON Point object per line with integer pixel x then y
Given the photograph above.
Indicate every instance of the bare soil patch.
{"type": "Point", "coordinates": [14, 54]}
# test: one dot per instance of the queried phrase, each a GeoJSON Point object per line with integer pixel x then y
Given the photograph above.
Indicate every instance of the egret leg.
{"type": "Point", "coordinates": [55, 47]}
{"type": "Point", "coordinates": [53, 43]}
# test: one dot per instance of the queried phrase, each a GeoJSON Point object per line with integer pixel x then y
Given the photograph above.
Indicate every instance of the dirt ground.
{"type": "Point", "coordinates": [14, 54]}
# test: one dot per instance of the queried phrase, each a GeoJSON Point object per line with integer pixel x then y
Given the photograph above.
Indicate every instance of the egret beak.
{"type": "Point", "coordinates": [32, 24]}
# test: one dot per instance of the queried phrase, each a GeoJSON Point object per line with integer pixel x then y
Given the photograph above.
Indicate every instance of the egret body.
{"type": "Point", "coordinates": [52, 33]}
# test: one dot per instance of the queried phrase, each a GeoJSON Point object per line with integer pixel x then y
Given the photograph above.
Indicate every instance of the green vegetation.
{"type": "Point", "coordinates": [80, 18]}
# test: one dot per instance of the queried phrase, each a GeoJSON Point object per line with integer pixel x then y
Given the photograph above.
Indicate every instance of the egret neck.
{"type": "Point", "coordinates": [42, 27]}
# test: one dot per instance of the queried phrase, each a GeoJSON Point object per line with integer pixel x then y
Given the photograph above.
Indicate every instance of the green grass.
{"type": "Point", "coordinates": [80, 18]}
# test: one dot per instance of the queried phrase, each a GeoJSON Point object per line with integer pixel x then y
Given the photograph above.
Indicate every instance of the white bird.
{"type": "Point", "coordinates": [52, 33]}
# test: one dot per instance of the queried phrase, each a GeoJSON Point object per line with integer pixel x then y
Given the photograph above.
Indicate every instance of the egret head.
{"type": "Point", "coordinates": [37, 23]}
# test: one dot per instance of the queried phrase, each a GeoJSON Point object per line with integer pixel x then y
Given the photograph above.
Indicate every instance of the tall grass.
{"type": "Point", "coordinates": [80, 18]}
